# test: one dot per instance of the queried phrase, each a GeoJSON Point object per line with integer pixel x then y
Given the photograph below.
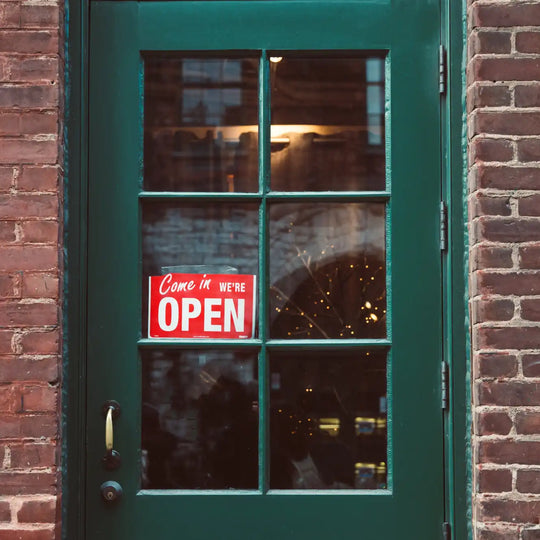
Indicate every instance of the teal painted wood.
{"type": "Point", "coordinates": [414, 507]}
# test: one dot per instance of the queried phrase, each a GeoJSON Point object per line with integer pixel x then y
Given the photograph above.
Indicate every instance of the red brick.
{"type": "Point", "coordinates": [29, 96]}
{"type": "Point", "coordinates": [5, 341]}
{"type": "Point", "coordinates": [10, 123]}
{"type": "Point", "coordinates": [506, 14]}
{"type": "Point", "coordinates": [510, 510]}
{"type": "Point", "coordinates": [8, 398]}
{"type": "Point", "coordinates": [530, 309]}
{"type": "Point", "coordinates": [528, 422]}
{"type": "Point", "coordinates": [494, 480]}
{"type": "Point", "coordinates": [496, 365]}
{"type": "Point", "coordinates": [33, 426]}
{"type": "Point", "coordinates": [528, 481]}
{"type": "Point", "coordinates": [28, 534]}
{"type": "Point", "coordinates": [491, 257]}
{"type": "Point", "coordinates": [529, 257]}
{"type": "Point", "coordinates": [23, 151]}
{"type": "Point", "coordinates": [531, 365]}
{"type": "Point", "coordinates": [38, 179]}
{"type": "Point", "coordinates": [509, 337]}
{"type": "Point", "coordinates": [531, 534]}
{"type": "Point", "coordinates": [29, 42]}
{"type": "Point", "coordinates": [39, 16]}
{"type": "Point", "coordinates": [485, 41]}
{"type": "Point", "coordinates": [7, 231]}
{"type": "Point", "coordinates": [40, 286]}
{"type": "Point", "coordinates": [484, 149]}
{"type": "Point", "coordinates": [28, 205]}
{"type": "Point", "coordinates": [5, 511]}
{"type": "Point", "coordinates": [37, 512]}
{"type": "Point", "coordinates": [527, 95]}
{"type": "Point", "coordinates": [10, 286]}
{"type": "Point", "coordinates": [10, 15]}
{"type": "Point", "coordinates": [40, 342]}
{"type": "Point", "coordinates": [28, 258]}
{"type": "Point", "coordinates": [29, 455]}
{"type": "Point", "coordinates": [507, 123]}
{"type": "Point", "coordinates": [17, 368]}
{"type": "Point", "coordinates": [23, 483]}
{"type": "Point", "coordinates": [38, 122]}
{"type": "Point", "coordinates": [38, 398]}
{"type": "Point", "coordinates": [508, 177]}
{"type": "Point", "coordinates": [6, 178]}
{"type": "Point", "coordinates": [36, 314]}
{"type": "Point", "coordinates": [508, 229]}
{"type": "Point", "coordinates": [493, 310]}
{"type": "Point", "coordinates": [530, 205]}
{"type": "Point", "coordinates": [528, 42]}
{"type": "Point", "coordinates": [485, 534]}
{"type": "Point", "coordinates": [529, 150]}
{"type": "Point", "coordinates": [31, 69]}
{"type": "Point", "coordinates": [45, 232]}
{"type": "Point", "coordinates": [513, 393]}
{"type": "Point", "coordinates": [520, 283]}
{"type": "Point", "coordinates": [493, 423]}
{"type": "Point", "coordinates": [489, 96]}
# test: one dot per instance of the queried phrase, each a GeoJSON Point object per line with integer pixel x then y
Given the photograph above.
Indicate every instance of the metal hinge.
{"type": "Point", "coordinates": [442, 69]}
{"type": "Point", "coordinates": [443, 231]}
{"type": "Point", "coordinates": [444, 385]}
{"type": "Point", "coordinates": [446, 531]}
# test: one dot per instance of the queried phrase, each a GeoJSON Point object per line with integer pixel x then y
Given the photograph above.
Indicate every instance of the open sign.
{"type": "Point", "coordinates": [201, 306]}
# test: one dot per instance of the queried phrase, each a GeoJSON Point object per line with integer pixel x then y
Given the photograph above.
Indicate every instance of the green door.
{"type": "Point", "coordinates": [291, 148]}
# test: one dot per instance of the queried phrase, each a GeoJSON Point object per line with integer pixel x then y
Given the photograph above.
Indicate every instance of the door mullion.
{"type": "Point", "coordinates": [264, 185]}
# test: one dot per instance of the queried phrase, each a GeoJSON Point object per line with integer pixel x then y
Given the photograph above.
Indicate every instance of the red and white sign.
{"type": "Point", "coordinates": [201, 306]}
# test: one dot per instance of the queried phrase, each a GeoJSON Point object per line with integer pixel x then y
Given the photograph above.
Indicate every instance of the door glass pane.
{"type": "Point", "coordinates": [328, 420]}
{"type": "Point", "coordinates": [327, 123]}
{"type": "Point", "coordinates": [200, 123]}
{"type": "Point", "coordinates": [196, 238]}
{"type": "Point", "coordinates": [327, 270]}
{"type": "Point", "coordinates": [199, 419]}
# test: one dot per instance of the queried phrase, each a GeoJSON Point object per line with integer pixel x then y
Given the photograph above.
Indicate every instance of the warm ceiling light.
{"type": "Point", "coordinates": [276, 59]}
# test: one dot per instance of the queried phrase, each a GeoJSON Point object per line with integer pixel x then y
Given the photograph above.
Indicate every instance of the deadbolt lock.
{"type": "Point", "coordinates": [111, 491]}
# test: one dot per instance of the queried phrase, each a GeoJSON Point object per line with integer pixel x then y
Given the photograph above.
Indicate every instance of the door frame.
{"type": "Point", "coordinates": [456, 349]}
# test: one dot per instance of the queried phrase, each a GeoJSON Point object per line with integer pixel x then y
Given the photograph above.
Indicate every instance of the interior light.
{"type": "Point", "coordinates": [276, 59]}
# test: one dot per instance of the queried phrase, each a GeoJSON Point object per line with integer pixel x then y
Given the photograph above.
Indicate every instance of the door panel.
{"type": "Point", "coordinates": [327, 423]}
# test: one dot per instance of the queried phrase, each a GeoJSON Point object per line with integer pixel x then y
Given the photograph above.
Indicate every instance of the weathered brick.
{"type": "Point", "coordinates": [510, 510]}
{"type": "Point", "coordinates": [491, 257]}
{"type": "Point", "coordinates": [493, 310]}
{"type": "Point", "coordinates": [507, 123]}
{"type": "Point", "coordinates": [40, 286]}
{"type": "Point", "coordinates": [7, 231]}
{"type": "Point", "coordinates": [38, 122]}
{"type": "Point", "coordinates": [496, 365]}
{"type": "Point", "coordinates": [494, 480]}
{"type": "Point", "coordinates": [528, 42]}
{"type": "Point", "coordinates": [519, 283]}
{"type": "Point", "coordinates": [488, 41]}
{"type": "Point", "coordinates": [10, 123]}
{"type": "Point", "coordinates": [528, 481]}
{"type": "Point", "coordinates": [491, 205]}
{"type": "Point", "coordinates": [37, 512]}
{"type": "Point", "coordinates": [506, 14]}
{"type": "Point", "coordinates": [34, 426]}
{"type": "Point", "coordinates": [529, 257]}
{"type": "Point", "coordinates": [484, 149]}
{"type": "Point", "coordinates": [10, 15]}
{"type": "Point", "coordinates": [17, 368]}
{"type": "Point", "coordinates": [39, 16]}
{"type": "Point", "coordinates": [527, 95]}
{"type": "Point", "coordinates": [27, 483]}
{"type": "Point", "coordinates": [8, 398]}
{"type": "Point", "coordinates": [29, 42]}
{"type": "Point", "coordinates": [5, 511]}
{"type": "Point", "coordinates": [29, 96]}
{"type": "Point", "coordinates": [28, 258]}
{"type": "Point", "coordinates": [530, 309]}
{"type": "Point", "coordinates": [528, 422]}
{"type": "Point", "coordinates": [38, 179]}
{"type": "Point", "coordinates": [6, 336]}
{"type": "Point", "coordinates": [485, 95]}
{"type": "Point", "coordinates": [28, 455]}
{"type": "Point", "coordinates": [531, 365]}
{"type": "Point", "coordinates": [38, 398]}
{"type": "Point", "coordinates": [40, 342]}
{"type": "Point", "coordinates": [508, 229]}
{"type": "Point", "coordinates": [531, 534]}
{"type": "Point", "coordinates": [43, 232]}
{"type": "Point", "coordinates": [507, 177]}
{"type": "Point", "coordinates": [35, 314]}
{"type": "Point", "coordinates": [26, 151]}
{"type": "Point", "coordinates": [10, 285]}
{"type": "Point", "coordinates": [493, 423]}
{"type": "Point", "coordinates": [511, 393]}
{"type": "Point", "coordinates": [27, 534]}
{"type": "Point", "coordinates": [529, 205]}
{"type": "Point", "coordinates": [6, 178]}
{"type": "Point", "coordinates": [510, 337]}
{"type": "Point", "coordinates": [30, 69]}
{"type": "Point", "coordinates": [507, 534]}
{"type": "Point", "coordinates": [28, 205]}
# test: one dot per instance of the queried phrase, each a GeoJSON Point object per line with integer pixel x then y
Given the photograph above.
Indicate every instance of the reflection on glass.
{"type": "Point", "coordinates": [200, 124]}
{"type": "Point", "coordinates": [327, 123]}
{"type": "Point", "coordinates": [219, 239]}
{"type": "Point", "coordinates": [328, 420]}
{"type": "Point", "coordinates": [199, 420]}
{"type": "Point", "coordinates": [327, 270]}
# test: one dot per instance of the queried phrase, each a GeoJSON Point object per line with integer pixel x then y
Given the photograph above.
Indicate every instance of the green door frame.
{"type": "Point", "coordinates": [456, 344]}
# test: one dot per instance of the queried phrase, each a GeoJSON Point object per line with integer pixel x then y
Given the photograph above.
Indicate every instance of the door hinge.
{"type": "Point", "coordinates": [442, 69]}
{"type": "Point", "coordinates": [444, 385]}
{"type": "Point", "coordinates": [446, 531]}
{"type": "Point", "coordinates": [443, 231]}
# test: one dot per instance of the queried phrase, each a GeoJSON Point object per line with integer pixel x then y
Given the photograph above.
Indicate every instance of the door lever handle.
{"type": "Point", "coordinates": [111, 460]}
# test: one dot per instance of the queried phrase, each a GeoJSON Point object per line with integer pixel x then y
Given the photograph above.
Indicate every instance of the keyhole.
{"type": "Point", "coordinates": [110, 495]}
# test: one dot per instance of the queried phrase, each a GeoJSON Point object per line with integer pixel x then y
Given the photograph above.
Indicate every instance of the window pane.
{"type": "Point", "coordinates": [196, 238]}
{"type": "Point", "coordinates": [324, 133]}
{"type": "Point", "coordinates": [200, 124]}
{"type": "Point", "coordinates": [328, 420]}
{"type": "Point", "coordinates": [327, 270]}
{"type": "Point", "coordinates": [199, 420]}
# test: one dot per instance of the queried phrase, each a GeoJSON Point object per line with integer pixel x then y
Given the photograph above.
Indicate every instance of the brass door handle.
{"type": "Point", "coordinates": [111, 460]}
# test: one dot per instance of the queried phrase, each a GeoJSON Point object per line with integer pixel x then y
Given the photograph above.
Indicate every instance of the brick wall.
{"type": "Point", "coordinates": [504, 137]}
{"type": "Point", "coordinates": [30, 90]}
